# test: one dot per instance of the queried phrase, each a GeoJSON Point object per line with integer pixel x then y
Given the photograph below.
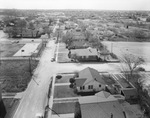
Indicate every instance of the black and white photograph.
{"type": "Point", "coordinates": [74, 58]}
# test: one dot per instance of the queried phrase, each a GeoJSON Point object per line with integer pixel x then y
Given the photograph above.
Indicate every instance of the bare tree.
{"type": "Point", "coordinates": [130, 63]}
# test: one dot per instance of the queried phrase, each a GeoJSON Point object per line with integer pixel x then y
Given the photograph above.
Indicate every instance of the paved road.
{"type": "Point", "coordinates": [35, 97]}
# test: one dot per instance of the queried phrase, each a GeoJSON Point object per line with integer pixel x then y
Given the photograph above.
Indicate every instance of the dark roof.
{"type": "Point", "coordinates": [130, 92]}
{"type": "Point", "coordinates": [91, 75]}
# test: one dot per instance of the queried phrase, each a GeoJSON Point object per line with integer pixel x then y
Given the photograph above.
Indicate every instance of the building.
{"type": "Point", "coordinates": [129, 93]}
{"type": "Point", "coordinates": [89, 80]}
{"type": "Point", "coordinates": [105, 105]}
{"type": "Point", "coordinates": [2, 107]}
{"type": "Point", "coordinates": [88, 54]}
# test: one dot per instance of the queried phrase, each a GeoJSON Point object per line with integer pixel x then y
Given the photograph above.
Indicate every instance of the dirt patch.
{"type": "Point", "coordinates": [8, 49]}
{"type": "Point", "coordinates": [15, 75]}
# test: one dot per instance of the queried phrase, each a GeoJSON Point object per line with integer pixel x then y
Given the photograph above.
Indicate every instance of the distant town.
{"type": "Point", "coordinates": [74, 64]}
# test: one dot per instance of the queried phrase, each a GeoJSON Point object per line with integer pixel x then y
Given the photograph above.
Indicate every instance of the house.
{"type": "Point", "coordinates": [88, 54]}
{"type": "Point", "coordinates": [89, 80]}
{"type": "Point", "coordinates": [129, 93]}
{"type": "Point", "coordinates": [29, 33]}
{"type": "Point", "coordinates": [105, 105]}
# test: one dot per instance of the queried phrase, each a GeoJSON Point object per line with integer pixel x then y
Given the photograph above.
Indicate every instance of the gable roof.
{"type": "Point", "coordinates": [85, 52]}
{"type": "Point", "coordinates": [102, 96]}
{"type": "Point", "coordinates": [80, 82]}
{"type": "Point", "coordinates": [101, 105]}
{"type": "Point", "coordinates": [102, 110]}
{"type": "Point", "coordinates": [90, 75]}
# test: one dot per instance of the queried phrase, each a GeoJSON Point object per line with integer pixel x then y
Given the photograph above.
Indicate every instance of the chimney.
{"type": "Point", "coordinates": [124, 113]}
{"type": "Point", "coordinates": [111, 115]}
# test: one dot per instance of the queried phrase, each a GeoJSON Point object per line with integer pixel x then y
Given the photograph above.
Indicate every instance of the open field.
{"type": "Point", "coordinates": [64, 108]}
{"type": "Point", "coordinates": [15, 75]}
{"type": "Point", "coordinates": [140, 49]}
{"type": "Point", "coordinates": [64, 92]}
{"type": "Point", "coordinates": [9, 49]}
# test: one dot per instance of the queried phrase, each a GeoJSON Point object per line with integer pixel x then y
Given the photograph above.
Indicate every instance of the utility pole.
{"type": "Point", "coordinates": [30, 68]}
{"type": "Point", "coordinates": [111, 47]}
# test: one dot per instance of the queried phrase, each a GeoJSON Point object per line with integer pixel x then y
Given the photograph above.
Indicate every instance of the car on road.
{"type": "Point", "coordinates": [39, 115]}
{"type": "Point", "coordinates": [15, 41]}
{"type": "Point", "coordinates": [53, 59]}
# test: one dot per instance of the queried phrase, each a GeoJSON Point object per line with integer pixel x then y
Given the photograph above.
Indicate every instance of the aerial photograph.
{"type": "Point", "coordinates": [74, 59]}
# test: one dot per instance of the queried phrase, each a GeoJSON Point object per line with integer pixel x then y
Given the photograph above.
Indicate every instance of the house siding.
{"type": "Point", "coordinates": [95, 87]}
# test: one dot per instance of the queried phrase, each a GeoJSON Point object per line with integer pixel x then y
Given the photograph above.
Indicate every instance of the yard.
{"type": "Point", "coordinates": [10, 105]}
{"type": "Point", "coordinates": [64, 92]}
{"type": "Point", "coordinates": [64, 108]}
{"type": "Point", "coordinates": [15, 75]}
{"type": "Point", "coordinates": [65, 78]}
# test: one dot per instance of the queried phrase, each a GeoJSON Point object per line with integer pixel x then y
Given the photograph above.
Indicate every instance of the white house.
{"type": "Point", "coordinates": [89, 80]}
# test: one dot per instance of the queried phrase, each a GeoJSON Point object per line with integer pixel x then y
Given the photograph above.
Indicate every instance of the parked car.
{"type": "Point", "coordinates": [53, 59]}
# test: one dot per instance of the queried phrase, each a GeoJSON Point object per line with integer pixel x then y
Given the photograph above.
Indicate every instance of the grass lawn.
{"type": "Point", "coordinates": [63, 57]}
{"type": "Point", "coordinates": [64, 92]}
{"type": "Point", "coordinates": [64, 108]}
{"type": "Point", "coordinates": [64, 79]}
{"type": "Point", "coordinates": [15, 75]}
{"type": "Point", "coordinates": [9, 49]}
{"type": "Point", "coordinates": [10, 105]}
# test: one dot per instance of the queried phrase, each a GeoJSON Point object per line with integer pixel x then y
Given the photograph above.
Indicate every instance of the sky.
{"type": "Point", "coordinates": [77, 4]}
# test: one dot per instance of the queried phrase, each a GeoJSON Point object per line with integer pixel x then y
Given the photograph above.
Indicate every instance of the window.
{"type": "Point", "coordinates": [82, 87]}
{"type": "Point", "coordinates": [90, 87]}
{"type": "Point", "coordinates": [99, 85]}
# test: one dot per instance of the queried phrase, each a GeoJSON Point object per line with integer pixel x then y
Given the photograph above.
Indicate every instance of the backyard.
{"type": "Point", "coordinates": [64, 108]}
{"type": "Point", "coordinates": [64, 91]}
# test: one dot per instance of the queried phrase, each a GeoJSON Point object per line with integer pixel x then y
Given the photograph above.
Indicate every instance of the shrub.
{"type": "Point", "coordinates": [71, 85]}
{"type": "Point", "coordinates": [113, 56]}
{"type": "Point", "coordinates": [58, 76]}
{"type": "Point", "coordinates": [72, 80]}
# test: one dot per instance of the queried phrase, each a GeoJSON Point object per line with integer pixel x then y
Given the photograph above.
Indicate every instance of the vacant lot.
{"type": "Point", "coordinates": [64, 108]}
{"type": "Point", "coordinates": [64, 79]}
{"type": "Point", "coordinates": [64, 92]}
{"type": "Point", "coordinates": [9, 49]}
{"type": "Point", "coordinates": [140, 49]}
{"type": "Point", "coordinates": [15, 75]}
